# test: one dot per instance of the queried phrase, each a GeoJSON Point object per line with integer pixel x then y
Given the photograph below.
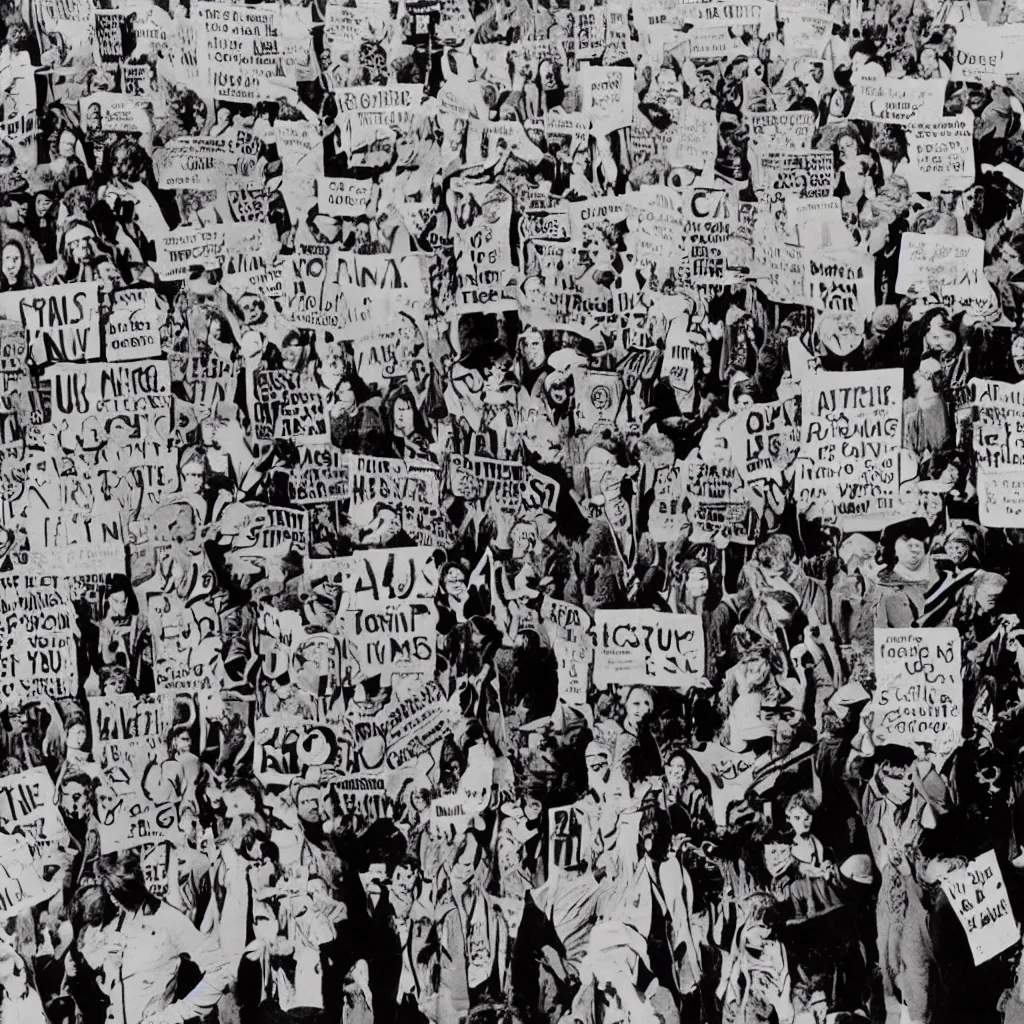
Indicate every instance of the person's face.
{"type": "Point", "coordinates": [373, 880]}
{"type": "Point", "coordinates": [455, 584]}
{"type": "Point", "coordinates": [752, 673]}
{"type": "Point", "coordinates": [464, 869]}
{"type": "Point", "coordinates": [251, 308]}
{"type": "Point", "coordinates": [847, 149]}
{"type": "Point", "coordinates": [66, 145]}
{"type": "Point", "coordinates": [309, 806]}
{"type": "Point", "coordinates": [10, 262]}
{"type": "Point", "coordinates": [929, 62]}
{"type": "Point", "coordinates": [345, 396]}
{"type": "Point", "coordinates": [291, 353]}
{"type": "Point", "coordinates": [939, 337]}
{"type": "Point", "coordinates": [77, 737]}
{"type": "Point", "coordinates": [696, 583]}
{"type": "Point", "coordinates": [43, 204]}
{"type": "Point", "coordinates": [896, 782]}
{"type": "Point", "coordinates": [533, 350]}
{"type": "Point", "coordinates": [93, 120]}
{"type": "Point", "coordinates": [548, 76]}
{"type": "Point", "coordinates": [598, 765]}
{"type": "Point", "coordinates": [1017, 353]}
{"type": "Point", "coordinates": [192, 478]}
{"type": "Point", "coordinates": [799, 820]}
{"type": "Point", "coordinates": [80, 249]}
{"type": "Point", "coordinates": [957, 551]}
{"type": "Point", "coordinates": [182, 744]}
{"type": "Point", "coordinates": [910, 552]}
{"type": "Point", "coordinates": [796, 91]}
{"type": "Point", "coordinates": [74, 801]}
{"type": "Point", "coordinates": [403, 418]}
{"type": "Point", "coordinates": [675, 772]}
{"type": "Point", "coordinates": [117, 604]}
{"type": "Point", "coordinates": [817, 72]}
{"type": "Point", "coordinates": [638, 706]}
{"type": "Point", "coordinates": [988, 595]}
{"type": "Point", "coordinates": [403, 881]}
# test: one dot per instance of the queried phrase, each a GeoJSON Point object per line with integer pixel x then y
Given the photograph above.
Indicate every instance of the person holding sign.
{"type": "Point", "coordinates": [135, 951]}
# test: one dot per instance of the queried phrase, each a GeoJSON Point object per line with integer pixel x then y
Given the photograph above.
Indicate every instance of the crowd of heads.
{"type": "Point", "coordinates": [507, 511]}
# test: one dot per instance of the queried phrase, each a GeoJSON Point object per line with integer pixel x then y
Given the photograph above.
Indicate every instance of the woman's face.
{"type": "Point", "coordinates": [44, 204]}
{"type": "Point", "coordinates": [11, 263]}
{"type": "Point", "coordinates": [638, 706]}
{"type": "Point", "coordinates": [403, 417]}
{"type": "Point", "coordinates": [957, 551]}
{"type": "Point", "coordinates": [799, 820]}
{"type": "Point", "coordinates": [66, 145]}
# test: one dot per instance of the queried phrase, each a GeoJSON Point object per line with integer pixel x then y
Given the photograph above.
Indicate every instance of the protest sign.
{"type": "Point", "coordinates": [938, 264]}
{"type": "Point", "coordinates": [28, 809]}
{"type": "Point", "coordinates": [998, 425]}
{"type": "Point", "coordinates": [900, 101]}
{"type": "Point", "coordinates": [639, 647]}
{"type": "Point", "coordinates": [1001, 498]}
{"type": "Point", "coordinates": [21, 882]}
{"type": "Point", "coordinates": [239, 47]}
{"type": "Point", "coordinates": [919, 699]}
{"type": "Point", "coordinates": [941, 155]}
{"type": "Point", "coordinates": [984, 51]}
{"type": "Point", "coordinates": [61, 322]}
{"type": "Point", "coordinates": [978, 896]}
{"type": "Point", "coordinates": [851, 432]}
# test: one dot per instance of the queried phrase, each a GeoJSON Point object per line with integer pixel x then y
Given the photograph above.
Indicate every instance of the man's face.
{"type": "Point", "coordinates": [310, 805]}
{"type": "Point", "coordinates": [676, 772]}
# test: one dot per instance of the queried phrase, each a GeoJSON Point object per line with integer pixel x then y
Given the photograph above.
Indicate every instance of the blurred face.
{"type": "Point", "coordinates": [373, 880]}
{"type": "Point", "coordinates": [989, 593]}
{"type": "Point", "coordinates": [403, 881]}
{"type": "Point", "coordinates": [957, 551]}
{"type": "Point", "coordinates": [77, 737]}
{"type": "Point", "coordinates": [1017, 354]}
{"type": "Point", "coordinates": [292, 352]}
{"type": "Point", "coordinates": [117, 605]}
{"type": "Point", "coordinates": [251, 308]}
{"type": "Point", "coordinates": [675, 772]}
{"type": "Point", "coordinates": [533, 350]}
{"type": "Point", "coordinates": [66, 145]}
{"type": "Point", "coordinates": [403, 417]}
{"type": "Point", "coordinates": [696, 583]}
{"type": "Point", "coordinates": [74, 801]}
{"type": "Point", "coordinates": [939, 337]}
{"type": "Point", "coordinates": [896, 782]}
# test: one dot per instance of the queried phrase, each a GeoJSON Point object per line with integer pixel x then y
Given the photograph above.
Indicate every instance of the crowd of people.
{"type": "Point", "coordinates": [508, 511]}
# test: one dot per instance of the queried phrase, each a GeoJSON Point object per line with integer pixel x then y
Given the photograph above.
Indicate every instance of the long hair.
{"type": "Point", "coordinates": [121, 879]}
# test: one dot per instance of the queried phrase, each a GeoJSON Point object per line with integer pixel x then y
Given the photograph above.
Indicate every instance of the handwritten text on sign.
{"type": "Point", "coordinates": [978, 896]}
{"type": "Point", "coordinates": [919, 699]}
{"type": "Point", "coordinates": [649, 648]}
